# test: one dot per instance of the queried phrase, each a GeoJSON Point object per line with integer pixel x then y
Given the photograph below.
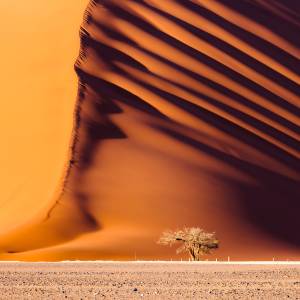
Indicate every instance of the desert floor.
{"type": "Point", "coordinates": [153, 280]}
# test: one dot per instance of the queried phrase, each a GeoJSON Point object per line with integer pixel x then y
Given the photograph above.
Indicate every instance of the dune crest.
{"type": "Point", "coordinates": [187, 115]}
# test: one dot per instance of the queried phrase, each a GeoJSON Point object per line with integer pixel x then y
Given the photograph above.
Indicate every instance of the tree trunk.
{"type": "Point", "coordinates": [197, 253]}
{"type": "Point", "coordinates": [192, 254]}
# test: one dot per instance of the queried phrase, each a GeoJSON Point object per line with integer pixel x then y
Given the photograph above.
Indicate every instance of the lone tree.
{"type": "Point", "coordinates": [194, 240]}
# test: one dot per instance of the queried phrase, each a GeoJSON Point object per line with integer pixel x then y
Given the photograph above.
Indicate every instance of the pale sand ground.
{"type": "Point", "coordinates": [152, 280]}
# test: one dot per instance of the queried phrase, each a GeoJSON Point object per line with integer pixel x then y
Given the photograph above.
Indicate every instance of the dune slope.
{"type": "Point", "coordinates": [187, 115]}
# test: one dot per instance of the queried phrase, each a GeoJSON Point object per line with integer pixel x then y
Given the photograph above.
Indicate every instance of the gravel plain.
{"type": "Point", "coordinates": [149, 280]}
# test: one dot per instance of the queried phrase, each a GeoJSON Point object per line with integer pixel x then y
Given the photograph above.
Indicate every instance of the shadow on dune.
{"type": "Point", "coordinates": [201, 57]}
{"type": "Point", "coordinates": [267, 16]}
{"type": "Point", "coordinates": [268, 19]}
{"type": "Point", "coordinates": [272, 205]}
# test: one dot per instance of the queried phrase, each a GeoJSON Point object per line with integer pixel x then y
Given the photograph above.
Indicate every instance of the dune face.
{"type": "Point", "coordinates": [187, 115]}
{"type": "Point", "coordinates": [39, 44]}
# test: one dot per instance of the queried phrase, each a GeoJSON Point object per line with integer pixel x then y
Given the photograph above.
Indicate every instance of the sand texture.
{"type": "Point", "coordinates": [187, 114]}
{"type": "Point", "coordinates": [148, 281]}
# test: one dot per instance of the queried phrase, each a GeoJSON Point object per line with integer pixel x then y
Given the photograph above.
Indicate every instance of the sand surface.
{"type": "Point", "coordinates": [40, 42]}
{"type": "Point", "coordinates": [187, 114]}
{"type": "Point", "coordinates": [112, 280]}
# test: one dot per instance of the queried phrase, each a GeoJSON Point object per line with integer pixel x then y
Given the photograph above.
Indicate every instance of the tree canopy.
{"type": "Point", "coordinates": [193, 240]}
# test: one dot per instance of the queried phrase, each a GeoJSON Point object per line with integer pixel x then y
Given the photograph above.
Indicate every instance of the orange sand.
{"type": "Point", "coordinates": [182, 119]}
{"type": "Point", "coordinates": [39, 44]}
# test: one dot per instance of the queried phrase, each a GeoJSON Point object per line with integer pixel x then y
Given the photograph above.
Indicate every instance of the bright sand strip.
{"type": "Point", "coordinates": [39, 45]}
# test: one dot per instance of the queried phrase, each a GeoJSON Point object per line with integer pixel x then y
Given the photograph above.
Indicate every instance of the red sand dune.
{"type": "Point", "coordinates": [187, 115]}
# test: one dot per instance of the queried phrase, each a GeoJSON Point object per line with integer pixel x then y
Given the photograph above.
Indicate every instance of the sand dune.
{"type": "Point", "coordinates": [187, 114]}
